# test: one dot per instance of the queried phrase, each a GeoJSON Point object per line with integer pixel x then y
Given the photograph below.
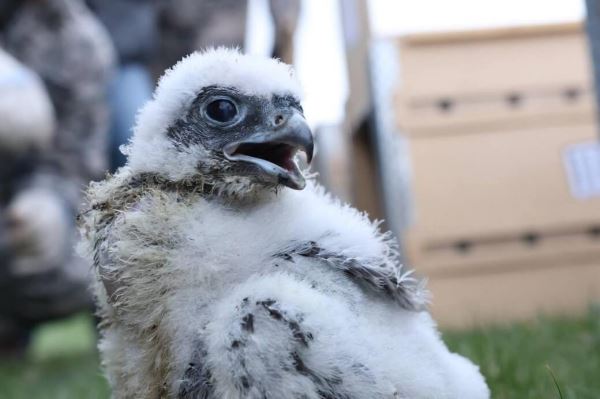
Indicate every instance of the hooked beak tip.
{"type": "Point", "coordinates": [309, 151]}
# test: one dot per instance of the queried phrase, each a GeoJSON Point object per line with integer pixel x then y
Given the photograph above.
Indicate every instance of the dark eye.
{"type": "Point", "coordinates": [221, 110]}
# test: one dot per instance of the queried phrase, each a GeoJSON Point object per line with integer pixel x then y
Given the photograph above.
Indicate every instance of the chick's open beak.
{"type": "Point", "coordinates": [274, 151]}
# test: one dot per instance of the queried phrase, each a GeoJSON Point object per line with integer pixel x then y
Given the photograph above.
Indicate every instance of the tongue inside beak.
{"type": "Point", "coordinates": [279, 154]}
{"type": "Point", "coordinates": [277, 160]}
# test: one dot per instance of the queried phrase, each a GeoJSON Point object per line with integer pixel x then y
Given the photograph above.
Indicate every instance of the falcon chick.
{"type": "Point", "coordinates": [223, 273]}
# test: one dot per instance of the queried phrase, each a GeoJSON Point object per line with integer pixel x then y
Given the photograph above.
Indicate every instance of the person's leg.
{"type": "Point", "coordinates": [13, 338]}
{"type": "Point", "coordinates": [129, 90]}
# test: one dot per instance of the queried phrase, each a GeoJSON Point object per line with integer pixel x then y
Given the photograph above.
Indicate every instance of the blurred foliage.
{"type": "Point", "coordinates": [518, 360]}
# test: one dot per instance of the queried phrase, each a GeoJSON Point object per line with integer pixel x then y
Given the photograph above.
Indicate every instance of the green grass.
{"type": "Point", "coordinates": [544, 359]}
{"type": "Point", "coordinates": [61, 363]}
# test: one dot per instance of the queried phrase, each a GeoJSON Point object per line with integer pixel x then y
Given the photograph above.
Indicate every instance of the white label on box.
{"type": "Point", "coordinates": [582, 164]}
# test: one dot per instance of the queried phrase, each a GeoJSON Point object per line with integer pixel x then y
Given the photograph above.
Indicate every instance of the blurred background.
{"type": "Point", "coordinates": [468, 126]}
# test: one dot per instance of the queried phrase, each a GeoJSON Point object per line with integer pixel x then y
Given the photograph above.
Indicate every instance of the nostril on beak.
{"type": "Point", "coordinates": [279, 120]}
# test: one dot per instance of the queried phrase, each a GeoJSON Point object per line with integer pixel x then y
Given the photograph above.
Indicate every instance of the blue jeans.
{"type": "Point", "coordinates": [128, 91]}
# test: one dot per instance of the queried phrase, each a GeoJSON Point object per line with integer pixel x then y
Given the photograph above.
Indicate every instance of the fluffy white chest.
{"type": "Point", "coordinates": [221, 246]}
{"type": "Point", "coordinates": [287, 284]}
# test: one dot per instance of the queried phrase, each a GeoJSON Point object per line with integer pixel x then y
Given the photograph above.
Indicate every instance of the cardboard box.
{"type": "Point", "coordinates": [498, 78]}
{"type": "Point", "coordinates": [484, 298]}
{"type": "Point", "coordinates": [499, 229]}
{"type": "Point", "coordinates": [496, 187]}
{"type": "Point", "coordinates": [506, 171]}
